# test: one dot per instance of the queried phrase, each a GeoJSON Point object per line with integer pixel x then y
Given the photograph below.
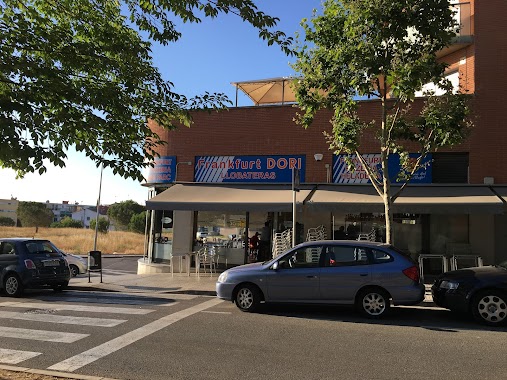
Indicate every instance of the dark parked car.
{"type": "Point", "coordinates": [480, 291]}
{"type": "Point", "coordinates": [31, 263]}
{"type": "Point", "coordinates": [361, 273]}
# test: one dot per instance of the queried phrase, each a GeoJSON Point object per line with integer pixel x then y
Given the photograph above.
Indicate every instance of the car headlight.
{"type": "Point", "coordinates": [222, 277]}
{"type": "Point", "coordinates": [449, 285]}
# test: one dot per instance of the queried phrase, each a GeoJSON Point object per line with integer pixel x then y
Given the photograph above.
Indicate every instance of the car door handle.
{"type": "Point", "coordinates": [363, 274]}
{"type": "Point", "coordinates": [311, 276]}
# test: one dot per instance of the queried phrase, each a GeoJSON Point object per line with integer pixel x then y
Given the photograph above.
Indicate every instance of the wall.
{"type": "Point", "coordinates": [182, 237]}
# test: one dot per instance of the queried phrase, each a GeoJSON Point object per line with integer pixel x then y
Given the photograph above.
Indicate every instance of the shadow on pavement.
{"type": "Point", "coordinates": [435, 319]}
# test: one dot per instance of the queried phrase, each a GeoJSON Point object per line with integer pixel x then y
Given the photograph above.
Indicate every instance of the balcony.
{"type": "Point", "coordinates": [464, 36]}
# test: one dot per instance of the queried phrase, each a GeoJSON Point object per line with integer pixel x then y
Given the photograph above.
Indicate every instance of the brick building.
{"type": "Point", "coordinates": [458, 207]}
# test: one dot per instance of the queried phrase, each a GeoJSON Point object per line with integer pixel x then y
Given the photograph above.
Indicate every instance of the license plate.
{"type": "Point", "coordinates": [51, 263]}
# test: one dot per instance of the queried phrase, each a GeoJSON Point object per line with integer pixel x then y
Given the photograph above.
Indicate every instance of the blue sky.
{"type": "Point", "coordinates": [208, 57]}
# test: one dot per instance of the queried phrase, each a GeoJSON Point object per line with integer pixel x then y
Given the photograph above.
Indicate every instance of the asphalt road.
{"type": "Point", "coordinates": [191, 337]}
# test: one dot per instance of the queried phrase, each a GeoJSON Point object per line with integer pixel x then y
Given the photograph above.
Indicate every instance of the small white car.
{"type": "Point", "coordinates": [77, 264]}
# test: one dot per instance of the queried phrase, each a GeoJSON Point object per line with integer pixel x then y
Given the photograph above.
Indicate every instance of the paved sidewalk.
{"type": "Point", "coordinates": [179, 283]}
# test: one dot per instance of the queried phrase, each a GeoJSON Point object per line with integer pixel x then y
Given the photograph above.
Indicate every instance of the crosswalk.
{"type": "Point", "coordinates": [50, 312]}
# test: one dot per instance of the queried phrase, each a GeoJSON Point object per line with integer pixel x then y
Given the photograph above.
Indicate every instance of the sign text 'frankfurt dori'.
{"type": "Point", "coordinates": [265, 169]}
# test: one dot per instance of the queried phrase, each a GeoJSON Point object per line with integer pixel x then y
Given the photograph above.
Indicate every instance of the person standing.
{"type": "Point", "coordinates": [264, 243]}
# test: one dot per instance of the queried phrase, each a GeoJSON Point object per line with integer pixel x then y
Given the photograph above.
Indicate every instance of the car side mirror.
{"type": "Point", "coordinates": [275, 265]}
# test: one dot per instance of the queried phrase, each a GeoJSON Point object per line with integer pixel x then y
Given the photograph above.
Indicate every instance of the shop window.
{"type": "Point", "coordinates": [446, 230]}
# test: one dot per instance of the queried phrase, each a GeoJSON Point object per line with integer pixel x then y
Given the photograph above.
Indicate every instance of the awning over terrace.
{"type": "Point", "coordinates": [431, 199]}
{"type": "Point", "coordinates": [219, 197]}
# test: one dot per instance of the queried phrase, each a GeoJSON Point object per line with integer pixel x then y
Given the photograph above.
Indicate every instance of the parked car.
{"type": "Point", "coordinates": [77, 264]}
{"type": "Point", "coordinates": [365, 274]}
{"type": "Point", "coordinates": [479, 291]}
{"type": "Point", "coordinates": [31, 263]}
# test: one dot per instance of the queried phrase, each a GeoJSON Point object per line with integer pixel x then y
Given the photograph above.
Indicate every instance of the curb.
{"type": "Point", "coordinates": [211, 293]}
{"type": "Point", "coordinates": [64, 375]}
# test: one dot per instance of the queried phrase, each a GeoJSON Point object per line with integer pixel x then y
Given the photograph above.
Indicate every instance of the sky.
{"type": "Point", "coordinates": [208, 57]}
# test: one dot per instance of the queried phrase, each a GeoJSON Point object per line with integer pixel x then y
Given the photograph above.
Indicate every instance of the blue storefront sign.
{"type": "Point", "coordinates": [163, 171]}
{"type": "Point", "coordinates": [341, 174]}
{"type": "Point", "coordinates": [263, 169]}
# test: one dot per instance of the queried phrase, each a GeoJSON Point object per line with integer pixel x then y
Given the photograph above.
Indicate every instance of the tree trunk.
{"type": "Point", "coordinates": [386, 182]}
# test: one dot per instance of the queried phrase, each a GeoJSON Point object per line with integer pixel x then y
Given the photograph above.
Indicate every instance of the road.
{"type": "Point", "coordinates": [170, 336]}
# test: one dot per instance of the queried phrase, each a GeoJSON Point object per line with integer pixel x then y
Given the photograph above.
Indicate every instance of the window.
{"type": "Point", "coordinates": [7, 249]}
{"type": "Point", "coordinates": [381, 256]}
{"type": "Point", "coordinates": [40, 247]}
{"type": "Point", "coordinates": [307, 257]}
{"type": "Point", "coordinates": [345, 255]}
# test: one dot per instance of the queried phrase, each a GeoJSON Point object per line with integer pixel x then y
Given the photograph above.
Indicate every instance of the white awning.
{"type": "Point", "coordinates": [268, 91]}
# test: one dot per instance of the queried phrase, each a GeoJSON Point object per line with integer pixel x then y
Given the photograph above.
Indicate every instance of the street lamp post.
{"type": "Point", "coordinates": [176, 170]}
{"type": "Point", "coordinates": [96, 225]}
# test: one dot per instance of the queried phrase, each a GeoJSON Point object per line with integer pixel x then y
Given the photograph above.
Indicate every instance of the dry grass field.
{"type": "Point", "coordinates": [80, 241]}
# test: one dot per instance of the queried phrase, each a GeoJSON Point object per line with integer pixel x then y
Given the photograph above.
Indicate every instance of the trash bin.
{"type": "Point", "coordinates": [95, 260]}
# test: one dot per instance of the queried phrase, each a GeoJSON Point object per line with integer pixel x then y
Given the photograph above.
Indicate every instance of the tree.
{"type": "Point", "coordinates": [137, 223]}
{"type": "Point", "coordinates": [6, 222]}
{"type": "Point", "coordinates": [34, 214]}
{"type": "Point", "coordinates": [67, 222]}
{"type": "Point", "coordinates": [103, 225]}
{"type": "Point", "coordinates": [383, 49]}
{"type": "Point", "coordinates": [80, 73]}
{"type": "Point", "coordinates": [122, 212]}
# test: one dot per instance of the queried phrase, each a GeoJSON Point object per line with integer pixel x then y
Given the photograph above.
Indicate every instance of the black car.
{"type": "Point", "coordinates": [480, 291]}
{"type": "Point", "coordinates": [31, 263]}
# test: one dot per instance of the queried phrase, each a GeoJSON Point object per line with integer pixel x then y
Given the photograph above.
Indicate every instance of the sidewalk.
{"type": "Point", "coordinates": [162, 283]}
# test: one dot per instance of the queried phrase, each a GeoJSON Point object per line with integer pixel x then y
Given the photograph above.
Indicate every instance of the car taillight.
{"type": "Point", "coordinates": [29, 264]}
{"type": "Point", "coordinates": [412, 273]}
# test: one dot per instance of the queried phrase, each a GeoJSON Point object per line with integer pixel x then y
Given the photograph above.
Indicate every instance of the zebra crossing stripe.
{"type": "Point", "coordinates": [92, 309]}
{"type": "Point", "coordinates": [42, 335]}
{"type": "Point", "coordinates": [15, 356]}
{"type": "Point", "coordinates": [87, 357]}
{"type": "Point", "coordinates": [51, 318]}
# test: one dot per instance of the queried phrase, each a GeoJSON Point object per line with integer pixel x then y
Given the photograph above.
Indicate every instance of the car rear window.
{"type": "Point", "coordinates": [403, 253]}
{"type": "Point", "coordinates": [40, 247]}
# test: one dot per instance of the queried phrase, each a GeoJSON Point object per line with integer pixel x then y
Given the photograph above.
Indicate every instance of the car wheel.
{"type": "Point", "coordinates": [490, 307]}
{"type": "Point", "coordinates": [74, 270]}
{"type": "Point", "coordinates": [373, 303]}
{"type": "Point", "coordinates": [13, 286]}
{"type": "Point", "coordinates": [248, 298]}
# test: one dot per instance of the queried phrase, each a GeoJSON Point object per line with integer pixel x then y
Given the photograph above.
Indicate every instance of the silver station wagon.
{"type": "Point", "coordinates": [368, 275]}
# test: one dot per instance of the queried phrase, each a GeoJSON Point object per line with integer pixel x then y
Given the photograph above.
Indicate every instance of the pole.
{"type": "Point", "coordinates": [293, 208]}
{"type": "Point", "coordinates": [96, 224]}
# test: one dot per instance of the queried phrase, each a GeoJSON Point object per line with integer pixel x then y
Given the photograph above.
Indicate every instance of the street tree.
{"type": "Point", "coordinates": [382, 49]}
{"type": "Point", "coordinates": [121, 213]}
{"type": "Point", "coordinates": [34, 214]}
{"type": "Point", "coordinates": [80, 73]}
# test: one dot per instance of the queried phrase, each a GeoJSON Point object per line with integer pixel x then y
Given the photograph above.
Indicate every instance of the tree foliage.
{"type": "Point", "coordinates": [67, 222]}
{"type": "Point", "coordinates": [383, 49]}
{"type": "Point", "coordinates": [103, 225]}
{"type": "Point", "coordinates": [121, 213]}
{"type": "Point", "coordinates": [6, 222]}
{"type": "Point", "coordinates": [34, 214]}
{"type": "Point", "coordinates": [137, 223]}
{"type": "Point", "coordinates": [80, 73]}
